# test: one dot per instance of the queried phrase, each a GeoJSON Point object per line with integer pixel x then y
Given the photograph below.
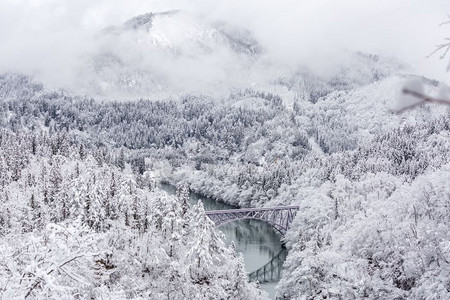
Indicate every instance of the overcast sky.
{"type": "Point", "coordinates": [41, 33]}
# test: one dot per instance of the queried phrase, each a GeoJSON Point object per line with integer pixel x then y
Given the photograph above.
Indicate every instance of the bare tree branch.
{"type": "Point", "coordinates": [62, 264]}
{"type": "Point", "coordinates": [446, 22]}
{"type": "Point", "coordinates": [74, 276]}
{"type": "Point", "coordinates": [445, 47]}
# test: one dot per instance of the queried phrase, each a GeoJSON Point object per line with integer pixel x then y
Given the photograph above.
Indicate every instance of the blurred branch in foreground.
{"type": "Point", "coordinates": [420, 99]}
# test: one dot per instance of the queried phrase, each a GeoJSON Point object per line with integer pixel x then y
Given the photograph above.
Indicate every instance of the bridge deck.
{"type": "Point", "coordinates": [280, 217]}
{"type": "Point", "coordinates": [212, 212]}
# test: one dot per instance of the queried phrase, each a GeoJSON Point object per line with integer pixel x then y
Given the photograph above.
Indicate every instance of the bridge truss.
{"type": "Point", "coordinates": [279, 217]}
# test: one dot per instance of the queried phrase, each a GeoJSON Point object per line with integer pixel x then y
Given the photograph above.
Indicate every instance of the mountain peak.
{"type": "Point", "coordinates": [145, 20]}
{"type": "Point", "coordinates": [139, 21]}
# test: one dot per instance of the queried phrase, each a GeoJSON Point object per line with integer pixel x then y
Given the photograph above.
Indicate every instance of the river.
{"type": "Point", "coordinates": [256, 240]}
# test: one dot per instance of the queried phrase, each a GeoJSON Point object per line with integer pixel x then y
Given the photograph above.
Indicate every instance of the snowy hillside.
{"type": "Point", "coordinates": [250, 150]}
{"type": "Point", "coordinates": [166, 54]}
{"type": "Point", "coordinates": [172, 30]}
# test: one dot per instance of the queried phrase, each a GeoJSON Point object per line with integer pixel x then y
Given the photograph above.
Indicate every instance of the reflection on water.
{"type": "Point", "coordinates": [256, 240]}
{"type": "Point", "coordinates": [271, 271]}
{"type": "Point", "coordinates": [258, 243]}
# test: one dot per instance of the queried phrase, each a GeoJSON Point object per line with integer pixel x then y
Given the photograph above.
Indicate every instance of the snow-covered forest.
{"type": "Point", "coordinates": [75, 223]}
{"type": "Point", "coordinates": [82, 216]}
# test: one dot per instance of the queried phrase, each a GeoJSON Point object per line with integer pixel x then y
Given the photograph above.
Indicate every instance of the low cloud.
{"type": "Point", "coordinates": [52, 39]}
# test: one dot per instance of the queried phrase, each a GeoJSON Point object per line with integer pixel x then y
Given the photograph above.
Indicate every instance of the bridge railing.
{"type": "Point", "coordinates": [213, 212]}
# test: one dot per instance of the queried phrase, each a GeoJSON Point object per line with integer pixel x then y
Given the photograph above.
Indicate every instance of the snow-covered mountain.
{"type": "Point", "coordinates": [173, 53]}
{"type": "Point", "coordinates": [166, 54]}
{"type": "Point", "coordinates": [172, 30]}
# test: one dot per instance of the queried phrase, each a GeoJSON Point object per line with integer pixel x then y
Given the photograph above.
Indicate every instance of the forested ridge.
{"type": "Point", "coordinates": [81, 174]}
{"type": "Point", "coordinates": [77, 222]}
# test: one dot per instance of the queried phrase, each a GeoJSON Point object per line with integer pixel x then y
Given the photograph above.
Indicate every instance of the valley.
{"type": "Point", "coordinates": [101, 171]}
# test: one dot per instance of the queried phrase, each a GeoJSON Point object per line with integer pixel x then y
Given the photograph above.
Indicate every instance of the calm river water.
{"type": "Point", "coordinates": [256, 240]}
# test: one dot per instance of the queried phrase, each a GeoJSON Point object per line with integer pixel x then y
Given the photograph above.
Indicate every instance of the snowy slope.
{"type": "Point", "coordinates": [166, 54]}
{"type": "Point", "coordinates": [174, 29]}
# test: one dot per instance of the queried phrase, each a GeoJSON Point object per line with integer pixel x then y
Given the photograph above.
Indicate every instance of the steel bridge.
{"type": "Point", "coordinates": [279, 217]}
